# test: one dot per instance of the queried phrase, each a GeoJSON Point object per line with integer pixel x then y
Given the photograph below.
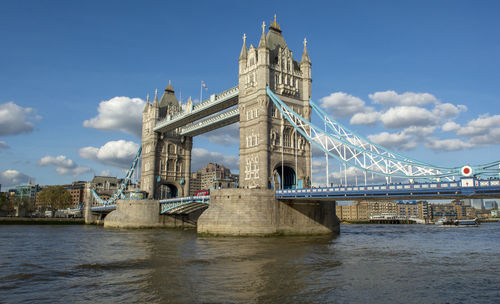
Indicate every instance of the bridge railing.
{"type": "Point", "coordinates": [222, 95]}
{"type": "Point", "coordinates": [185, 199]}
{"type": "Point", "coordinates": [466, 186]}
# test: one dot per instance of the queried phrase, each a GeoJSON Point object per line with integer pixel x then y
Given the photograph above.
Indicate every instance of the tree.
{"type": "Point", "coordinates": [25, 205]}
{"type": "Point", "coordinates": [55, 197]}
{"type": "Point", "coordinates": [6, 205]}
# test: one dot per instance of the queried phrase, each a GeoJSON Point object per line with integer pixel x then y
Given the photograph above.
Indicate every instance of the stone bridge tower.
{"type": "Point", "coordinates": [166, 157]}
{"type": "Point", "coordinates": [272, 154]}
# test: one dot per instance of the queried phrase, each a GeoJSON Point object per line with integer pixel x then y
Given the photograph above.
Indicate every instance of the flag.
{"type": "Point", "coordinates": [203, 84]}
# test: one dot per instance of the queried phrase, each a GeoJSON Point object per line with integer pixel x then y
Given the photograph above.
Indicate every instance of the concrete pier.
{"type": "Point", "coordinates": [256, 212]}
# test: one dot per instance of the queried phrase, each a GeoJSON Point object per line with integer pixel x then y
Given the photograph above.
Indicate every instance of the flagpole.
{"type": "Point", "coordinates": [201, 91]}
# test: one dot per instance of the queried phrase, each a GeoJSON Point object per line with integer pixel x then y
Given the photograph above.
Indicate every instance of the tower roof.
{"type": "Point", "coordinates": [274, 37]}
{"type": "Point", "coordinates": [168, 97]}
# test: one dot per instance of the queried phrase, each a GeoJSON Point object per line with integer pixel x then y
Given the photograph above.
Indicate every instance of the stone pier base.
{"type": "Point", "coordinates": [145, 214]}
{"type": "Point", "coordinates": [256, 212]}
{"type": "Point", "coordinates": [90, 218]}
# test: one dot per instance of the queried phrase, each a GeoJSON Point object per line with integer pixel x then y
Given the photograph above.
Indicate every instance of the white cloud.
{"type": "Point", "coordinates": [491, 137]}
{"type": "Point", "coordinates": [368, 118]}
{"type": "Point", "coordinates": [226, 136]}
{"type": "Point", "coordinates": [447, 144]}
{"type": "Point", "coordinates": [450, 126]}
{"type": "Point", "coordinates": [64, 165]}
{"type": "Point", "coordinates": [201, 157]}
{"type": "Point", "coordinates": [119, 114]}
{"type": "Point", "coordinates": [419, 132]}
{"type": "Point", "coordinates": [448, 110]}
{"type": "Point", "coordinates": [10, 178]}
{"type": "Point", "coordinates": [72, 171]}
{"type": "Point", "coordinates": [58, 161]}
{"type": "Point", "coordinates": [3, 145]}
{"type": "Point", "coordinates": [118, 153]}
{"type": "Point", "coordinates": [480, 125]}
{"type": "Point", "coordinates": [15, 120]}
{"type": "Point", "coordinates": [400, 140]}
{"type": "Point", "coordinates": [405, 116]}
{"type": "Point", "coordinates": [391, 98]}
{"type": "Point", "coordinates": [341, 104]}
{"type": "Point", "coordinates": [105, 173]}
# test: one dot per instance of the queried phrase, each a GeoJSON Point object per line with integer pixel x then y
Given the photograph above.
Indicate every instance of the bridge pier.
{"type": "Point", "coordinates": [142, 213]}
{"type": "Point", "coordinates": [89, 216]}
{"type": "Point", "coordinates": [256, 212]}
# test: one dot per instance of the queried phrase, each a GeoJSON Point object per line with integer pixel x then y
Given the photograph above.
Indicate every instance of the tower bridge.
{"type": "Point", "coordinates": [272, 103]}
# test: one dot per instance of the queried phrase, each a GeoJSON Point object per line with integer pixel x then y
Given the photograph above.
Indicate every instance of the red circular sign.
{"type": "Point", "coordinates": [466, 170]}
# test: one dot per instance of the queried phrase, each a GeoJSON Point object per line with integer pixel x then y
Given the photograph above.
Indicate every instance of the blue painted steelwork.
{"type": "Point", "coordinates": [355, 151]}
{"type": "Point", "coordinates": [104, 208]}
{"type": "Point", "coordinates": [123, 186]}
{"type": "Point", "coordinates": [464, 188]}
{"type": "Point", "coordinates": [184, 205]}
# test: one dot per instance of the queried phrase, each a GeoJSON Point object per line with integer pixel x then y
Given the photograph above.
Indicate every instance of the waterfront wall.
{"type": "Point", "coordinates": [257, 212]}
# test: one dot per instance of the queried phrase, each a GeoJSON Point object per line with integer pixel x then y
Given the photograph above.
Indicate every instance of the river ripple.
{"type": "Point", "coordinates": [365, 264]}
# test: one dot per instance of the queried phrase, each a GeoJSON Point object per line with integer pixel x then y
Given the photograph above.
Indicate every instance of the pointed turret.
{"type": "Point", "coordinates": [244, 52]}
{"type": "Point", "coordinates": [262, 42]}
{"type": "Point", "coordinates": [305, 68]}
{"type": "Point", "coordinates": [156, 104]}
{"type": "Point", "coordinates": [305, 55]}
{"type": "Point", "coordinates": [146, 107]}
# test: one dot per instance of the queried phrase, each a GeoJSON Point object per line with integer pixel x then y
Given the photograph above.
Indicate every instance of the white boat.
{"type": "Point", "coordinates": [464, 222]}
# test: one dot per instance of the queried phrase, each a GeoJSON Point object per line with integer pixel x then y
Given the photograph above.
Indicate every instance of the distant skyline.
{"type": "Point", "coordinates": [421, 78]}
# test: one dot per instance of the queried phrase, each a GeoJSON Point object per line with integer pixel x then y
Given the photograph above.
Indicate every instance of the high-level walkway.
{"type": "Point", "coordinates": [215, 104]}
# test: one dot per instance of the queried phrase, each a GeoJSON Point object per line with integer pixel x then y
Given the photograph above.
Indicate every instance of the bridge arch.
{"type": "Point", "coordinates": [284, 177]}
{"type": "Point", "coordinates": [168, 191]}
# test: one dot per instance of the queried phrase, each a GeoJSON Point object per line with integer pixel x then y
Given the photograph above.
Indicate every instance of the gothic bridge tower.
{"type": "Point", "coordinates": [166, 157]}
{"type": "Point", "coordinates": [272, 153]}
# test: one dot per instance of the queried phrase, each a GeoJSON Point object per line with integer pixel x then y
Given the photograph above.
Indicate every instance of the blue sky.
{"type": "Point", "coordinates": [421, 77]}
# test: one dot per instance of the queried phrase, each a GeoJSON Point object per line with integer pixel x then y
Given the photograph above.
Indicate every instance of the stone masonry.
{"type": "Point", "coordinates": [267, 141]}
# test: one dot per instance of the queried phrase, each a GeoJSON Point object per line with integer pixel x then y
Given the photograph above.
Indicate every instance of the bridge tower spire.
{"type": "Point", "coordinates": [272, 154]}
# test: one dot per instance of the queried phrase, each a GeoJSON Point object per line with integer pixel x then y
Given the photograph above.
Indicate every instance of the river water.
{"type": "Point", "coordinates": [364, 264]}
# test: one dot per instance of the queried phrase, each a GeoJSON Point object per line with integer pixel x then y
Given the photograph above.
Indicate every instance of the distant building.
{"type": "Point", "coordinates": [105, 186]}
{"type": "Point", "coordinates": [477, 203]}
{"type": "Point", "coordinates": [347, 212]}
{"type": "Point", "coordinates": [364, 210]}
{"type": "Point", "coordinates": [456, 209]}
{"type": "Point", "coordinates": [413, 209]}
{"type": "Point", "coordinates": [488, 205]}
{"type": "Point", "coordinates": [29, 191]}
{"type": "Point", "coordinates": [76, 189]}
{"type": "Point", "coordinates": [212, 176]}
